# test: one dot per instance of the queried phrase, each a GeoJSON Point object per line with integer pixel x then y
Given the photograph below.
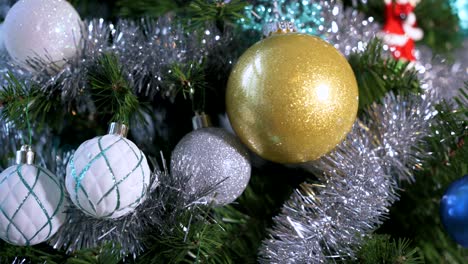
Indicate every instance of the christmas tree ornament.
{"type": "Point", "coordinates": [32, 201]}
{"type": "Point", "coordinates": [461, 7]}
{"type": "Point", "coordinates": [214, 164]}
{"type": "Point", "coordinates": [320, 221]}
{"type": "Point", "coordinates": [108, 176]}
{"type": "Point", "coordinates": [292, 97]}
{"type": "Point", "coordinates": [306, 14]}
{"type": "Point", "coordinates": [400, 31]}
{"type": "Point", "coordinates": [454, 211]}
{"type": "Point", "coordinates": [50, 30]}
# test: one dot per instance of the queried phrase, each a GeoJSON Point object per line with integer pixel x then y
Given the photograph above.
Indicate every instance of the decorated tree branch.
{"type": "Point", "coordinates": [315, 131]}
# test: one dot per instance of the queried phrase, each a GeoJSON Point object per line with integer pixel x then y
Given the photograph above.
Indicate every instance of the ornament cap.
{"type": "Point", "coordinates": [116, 128]}
{"type": "Point", "coordinates": [25, 155]}
{"type": "Point", "coordinates": [201, 120]}
{"type": "Point", "coordinates": [279, 27]}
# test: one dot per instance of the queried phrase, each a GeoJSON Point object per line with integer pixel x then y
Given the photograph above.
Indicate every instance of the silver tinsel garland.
{"type": "Point", "coordinates": [158, 213]}
{"type": "Point", "coordinates": [399, 126]}
{"type": "Point", "coordinates": [348, 30]}
{"type": "Point", "coordinates": [146, 49]}
{"type": "Point", "coordinates": [327, 219]}
{"type": "Point", "coordinates": [126, 234]}
{"type": "Point", "coordinates": [441, 77]}
{"type": "Point", "coordinates": [323, 220]}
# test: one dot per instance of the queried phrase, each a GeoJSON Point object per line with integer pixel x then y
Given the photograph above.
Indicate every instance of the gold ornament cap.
{"type": "Point", "coordinates": [280, 27]}
{"type": "Point", "coordinates": [25, 155]}
{"type": "Point", "coordinates": [116, 128]}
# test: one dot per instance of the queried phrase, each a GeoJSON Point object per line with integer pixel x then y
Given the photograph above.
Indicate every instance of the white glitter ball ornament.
{"type": "Point", "coordinates": [212, 161]}
{"type": "Point", "coordinates": [108, 176]}
{"type": "Point", "coordinates": [32, 204]}
{"type": "Point", "coordinates": [47, 29]}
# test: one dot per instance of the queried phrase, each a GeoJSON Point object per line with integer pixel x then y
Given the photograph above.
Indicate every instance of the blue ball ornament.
{"type": "Point", "coordinates": [454, 211]}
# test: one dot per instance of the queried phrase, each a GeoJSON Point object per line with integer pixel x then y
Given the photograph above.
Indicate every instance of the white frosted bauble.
{"type": "Point", "coordinates": [107, 177]}
{"type": "Point", "coordinates": [32, 204]}
{"type": "Point", "coordinates": [47, 29]}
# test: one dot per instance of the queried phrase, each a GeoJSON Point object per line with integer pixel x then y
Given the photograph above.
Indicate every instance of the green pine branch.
{"type": "Point", "coordinates": [108, 254]}
{"type": "Point", "coordinates": [416, 215]}
{"type": "Point", "coordinates": [111, 91]}
{"type": "Point", "coordinates": [24, 104]}
{"type": "Point", "coordinates": [229, 234]}
{"type": "Point", "coordinates": [33, 254]}
{"type": "Point", "coordinates": [190, 79]}
{"type": "Point", "coordinates": [147, 8]}
{"type": "Point", "coordinates": [384, 249]}
{"type": "Point", "coordinates": [199, 12]}
{"type": "Point", "coordinates": [197, 236]}
{"type": "Point", "coordinates": [377, 75]}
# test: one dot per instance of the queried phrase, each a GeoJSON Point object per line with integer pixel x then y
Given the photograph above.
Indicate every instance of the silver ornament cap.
{"type": "Point", "coordinates": [116, 128]}
{"type": "Point", "coordinates": [25, 155]}
{"type": "Point", "coordinates": [201, 120]}
{"type": "Point", "coordinates": [279, 27]}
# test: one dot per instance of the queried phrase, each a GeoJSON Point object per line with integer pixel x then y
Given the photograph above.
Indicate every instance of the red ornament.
{"type": "Point", "coordinates": [400, 31]}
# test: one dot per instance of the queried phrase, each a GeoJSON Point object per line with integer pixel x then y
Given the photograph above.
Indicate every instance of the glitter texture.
{"type": "Point", "coordinates": [213, 163]}
{"type": "Point", "coordinates": [292, 98]}
{"type": "Point", "coordinates": [48, 29]}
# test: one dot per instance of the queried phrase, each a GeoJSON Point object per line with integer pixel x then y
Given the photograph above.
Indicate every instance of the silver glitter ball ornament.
{"type": "Point", "coordinates": [214, 164]}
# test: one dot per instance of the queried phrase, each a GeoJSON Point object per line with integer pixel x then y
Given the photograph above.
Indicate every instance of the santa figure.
{"type": "Point", "coordinates": [400, 31]}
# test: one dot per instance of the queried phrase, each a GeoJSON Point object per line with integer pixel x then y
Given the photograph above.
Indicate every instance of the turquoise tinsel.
{"type": "Point", "coordinates": [305, 14]}
{"type": "Point", "coordinates": [461, 7]}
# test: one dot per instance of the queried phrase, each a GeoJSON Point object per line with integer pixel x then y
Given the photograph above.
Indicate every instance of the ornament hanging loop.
{"type": "Point", "coordinates": [25, 155]}
{"type": "Point", "coordinates": [116, 128]}
{"type": "Point", "coordinates": [201, 120]}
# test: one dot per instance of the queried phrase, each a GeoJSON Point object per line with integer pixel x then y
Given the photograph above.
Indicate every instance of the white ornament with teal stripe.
{"type": "Point", "coordinates": [32, 203]}
{"type": "Point", "coordinates": [108, 176]}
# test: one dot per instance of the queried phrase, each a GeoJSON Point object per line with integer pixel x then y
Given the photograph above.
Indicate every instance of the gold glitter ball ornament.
{"type": "Point", "coordinates": [292, 98]}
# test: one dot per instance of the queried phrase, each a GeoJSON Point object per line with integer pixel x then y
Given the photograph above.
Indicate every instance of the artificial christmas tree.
{"type": "Point", "coordinates": [373, 196]}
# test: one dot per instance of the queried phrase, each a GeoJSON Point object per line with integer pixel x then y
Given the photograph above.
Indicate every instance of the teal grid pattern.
{"type": "Point", "coordinates": [39, 198]}
{"type": "Point", "coordinates": [80, 174]}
